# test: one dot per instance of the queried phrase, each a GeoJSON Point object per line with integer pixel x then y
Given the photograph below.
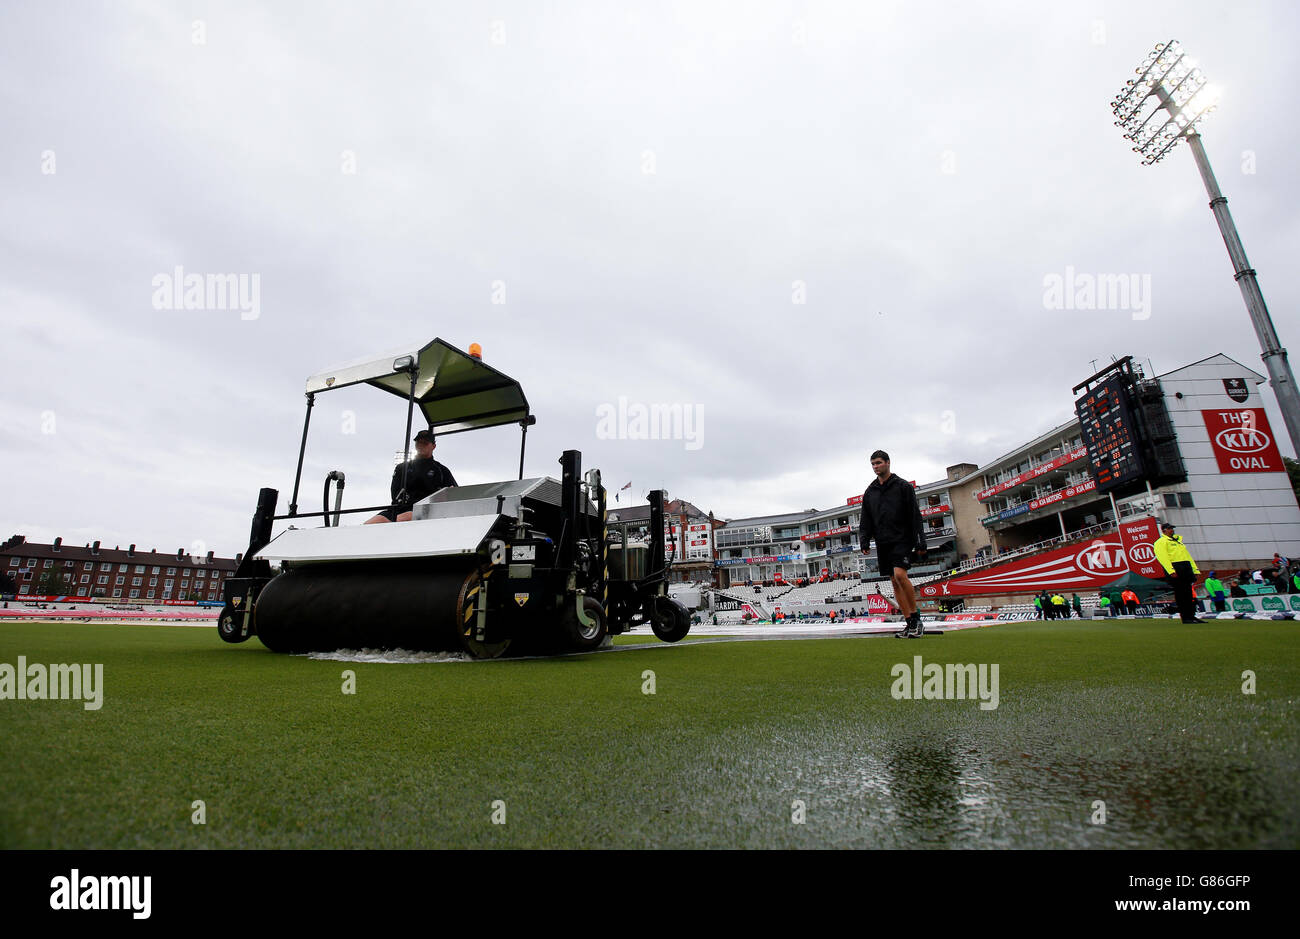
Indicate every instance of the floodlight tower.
{"type": "Point", "coordinates": [1156, 110]}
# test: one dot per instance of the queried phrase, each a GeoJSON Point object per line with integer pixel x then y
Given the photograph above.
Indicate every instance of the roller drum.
{"type": "Point", "coordinates": [412, 604]}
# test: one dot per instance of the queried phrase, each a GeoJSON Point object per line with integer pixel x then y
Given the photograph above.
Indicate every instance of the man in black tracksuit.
{"type": "Point", "coordinates": [891, 516]}
{"type": "Point", "coordinates": [423, 476]}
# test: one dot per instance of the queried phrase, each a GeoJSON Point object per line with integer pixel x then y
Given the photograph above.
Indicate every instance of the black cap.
{"type": "Point", "coordinates": [1167, 525]}
{"type": "Point", "coordinates": [424, 436]}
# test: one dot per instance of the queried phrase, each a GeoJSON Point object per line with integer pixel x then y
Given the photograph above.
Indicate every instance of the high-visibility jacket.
{"type": "Point", "coordinates": [1213, 585]}
{"type": "Point", "coordinates": [1058, 600]}
{"type": "Point", "coordinates": [1169, 550]}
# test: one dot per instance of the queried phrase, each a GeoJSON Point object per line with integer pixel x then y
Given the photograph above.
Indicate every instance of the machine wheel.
{"type": "Point", "coordinates": [468, 607]}
{"type": "Point", "coordinates": [584, 636]}
{"type": "Point", "coordinates": [229, 626]}
{"type": "Point", "coordinates": [669, 619]}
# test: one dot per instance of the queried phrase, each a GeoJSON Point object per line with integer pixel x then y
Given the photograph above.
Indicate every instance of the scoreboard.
{"type": "Point", "coordinates": [1110, 434]}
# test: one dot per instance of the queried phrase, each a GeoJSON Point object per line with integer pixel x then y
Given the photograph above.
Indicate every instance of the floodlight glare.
{"type": "Point", "coordinates": [1169, 81]}
{"type": "Point", "coordinates": [1157, 109]}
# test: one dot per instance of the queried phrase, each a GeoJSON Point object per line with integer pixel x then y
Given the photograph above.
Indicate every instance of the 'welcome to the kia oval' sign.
{"type": "Point", "coordinates": [1242, 441]}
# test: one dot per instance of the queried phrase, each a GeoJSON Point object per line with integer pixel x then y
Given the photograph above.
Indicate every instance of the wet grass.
{"type": "Point", "coordinates": [736, 744]}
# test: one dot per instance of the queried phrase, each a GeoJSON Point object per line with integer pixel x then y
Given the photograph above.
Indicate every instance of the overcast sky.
{"type": "Point", "coordinates": [821, 228]}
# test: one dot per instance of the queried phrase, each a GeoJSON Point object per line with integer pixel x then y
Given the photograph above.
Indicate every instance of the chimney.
{"type": "Point", "coordinates": [210, 553]}
{"type": "Point", "coordinates": [180, 554]}
{"type": "Point", "coordinates": [58, 544]}
{"type": "Point", "coordinates": [130, 552]}
{"type": "Point", "coordinates": [94, 549]}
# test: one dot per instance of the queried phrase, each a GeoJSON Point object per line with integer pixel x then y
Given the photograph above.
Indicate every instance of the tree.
{"type": "Point", "coordinates": [1293, 470]}
{"type": "Point", "coordinates": [7, 583]}
{"type": "Point", "coordinates": [54, 583]}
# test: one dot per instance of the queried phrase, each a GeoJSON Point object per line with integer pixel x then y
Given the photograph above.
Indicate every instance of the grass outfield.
{"type": "Point", "coordinates": [1147, 716]}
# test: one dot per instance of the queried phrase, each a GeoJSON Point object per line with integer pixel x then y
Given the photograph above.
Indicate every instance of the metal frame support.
{"type": "Point", "coordinates": [523, 440]}
{"type": "Point", "coordinates": [302, 449]}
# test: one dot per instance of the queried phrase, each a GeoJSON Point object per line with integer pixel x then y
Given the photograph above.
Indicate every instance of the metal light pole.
{"type": "Point", "coordinates": [1169, 82]}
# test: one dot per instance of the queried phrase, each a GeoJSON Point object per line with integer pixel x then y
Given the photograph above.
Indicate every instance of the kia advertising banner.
{"type": "Point", "coordinates": [1242, 441]}
{"type": "Point", "coordinates": [1084, 566]}
{"type": "Point", "coordinates": [841, 530]}
{"type": "Point", "coordinates": [1138, 537]}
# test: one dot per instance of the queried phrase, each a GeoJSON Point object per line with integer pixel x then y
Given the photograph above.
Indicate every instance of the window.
{"type": "Point", "coordinates": [202, 574]}
{"type": "Point", "coordinates": [85, 578]}
{"type": "Point", "coordinates": [1171, 500]}
{"type": "Point", "coordinates": [27, 575]}
{"type": "Point", "coordinates": [102, 580]}
{"type": "Point", "coordinates": [120, 580]}
{"type": "Point", "coordinates": [106, 567]}
{"type": "Point", "coordinates": [1185, 500]}
{"type": "Point", "coordinates": [139, 568]}
{"type": "Point", "coordinates": [153, 581]}
{"type": "Point", "coordinates": [155, 570]}
{"type": "Point", "coordinates": [23, 589]}
{"type": "Point", "coordinates": [167, 594]}
{"type": "Point", "coordinates": [67, 563]}
{"type": "Point", "coordinates": [135, 581]}
{"type": "Point", "coordinates": [13, 562]}
{"type": "Point", "coordinates": [88, 566]}
{"type": "Point", "coordinates": [169, 584]}
{"type": "Point", "coordinates": [48, 564]}
{"type": "Point", "coordinates": [117, 591]}
{"type": "Point", "coordinates": [134, 594]}
{"type": "Point", "coordinates": [171, 571]}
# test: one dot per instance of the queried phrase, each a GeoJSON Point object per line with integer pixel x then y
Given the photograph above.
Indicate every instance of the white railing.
{"type": "Point", "coordinates": [971, 564]}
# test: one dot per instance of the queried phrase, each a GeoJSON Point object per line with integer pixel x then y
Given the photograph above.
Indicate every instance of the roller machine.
{"type": "Point", "coordinates": [522, 566]}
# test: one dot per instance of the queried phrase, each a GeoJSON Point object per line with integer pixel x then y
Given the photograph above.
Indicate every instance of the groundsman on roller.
{"type": "Point", "coordinates": [423, 475]}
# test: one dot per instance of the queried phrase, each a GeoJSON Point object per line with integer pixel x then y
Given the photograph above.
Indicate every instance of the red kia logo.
{"type": "Point", "coordinates": [1143, 553]}
{"type": "Point", "coordinates": [1102, 557]}
{"type": "Point", "coordinates": [928, 591]}
{"type": "Point", "coordinates": [1243, 440]}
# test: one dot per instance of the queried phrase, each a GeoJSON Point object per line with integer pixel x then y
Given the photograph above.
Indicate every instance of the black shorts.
{"type": "Point", "coordinates": [890, 556]}
{"type": "Point", "coordinates": [393, 511]}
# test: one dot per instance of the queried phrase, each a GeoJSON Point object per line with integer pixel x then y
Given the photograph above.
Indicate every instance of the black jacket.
{"type": "Point", "coordinates": [891, 516]}
{"type": "Point", "coordinates": [425, 478]}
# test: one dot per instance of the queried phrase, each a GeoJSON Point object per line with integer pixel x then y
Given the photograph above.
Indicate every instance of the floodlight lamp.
{"type": "Point", "coordinates": [1167, 80]}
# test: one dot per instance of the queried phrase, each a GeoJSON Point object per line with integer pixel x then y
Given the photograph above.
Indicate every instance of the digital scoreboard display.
{"type": "Point", "coordinates": [1110, 434]}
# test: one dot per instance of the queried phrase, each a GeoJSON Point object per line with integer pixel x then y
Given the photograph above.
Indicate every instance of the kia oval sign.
{"type": "Point", "coordinates": [1242, 441]}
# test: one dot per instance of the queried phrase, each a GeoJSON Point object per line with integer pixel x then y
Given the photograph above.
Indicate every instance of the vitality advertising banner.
{"type": "Point", "coordinates": [1242, 441]}
{"type": "Point", "coordinates": [1085, 566]}
{"type": "Point", "coordinates": [878, 604]}
{"type": "Point", "coordinates": [1139, 536]}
